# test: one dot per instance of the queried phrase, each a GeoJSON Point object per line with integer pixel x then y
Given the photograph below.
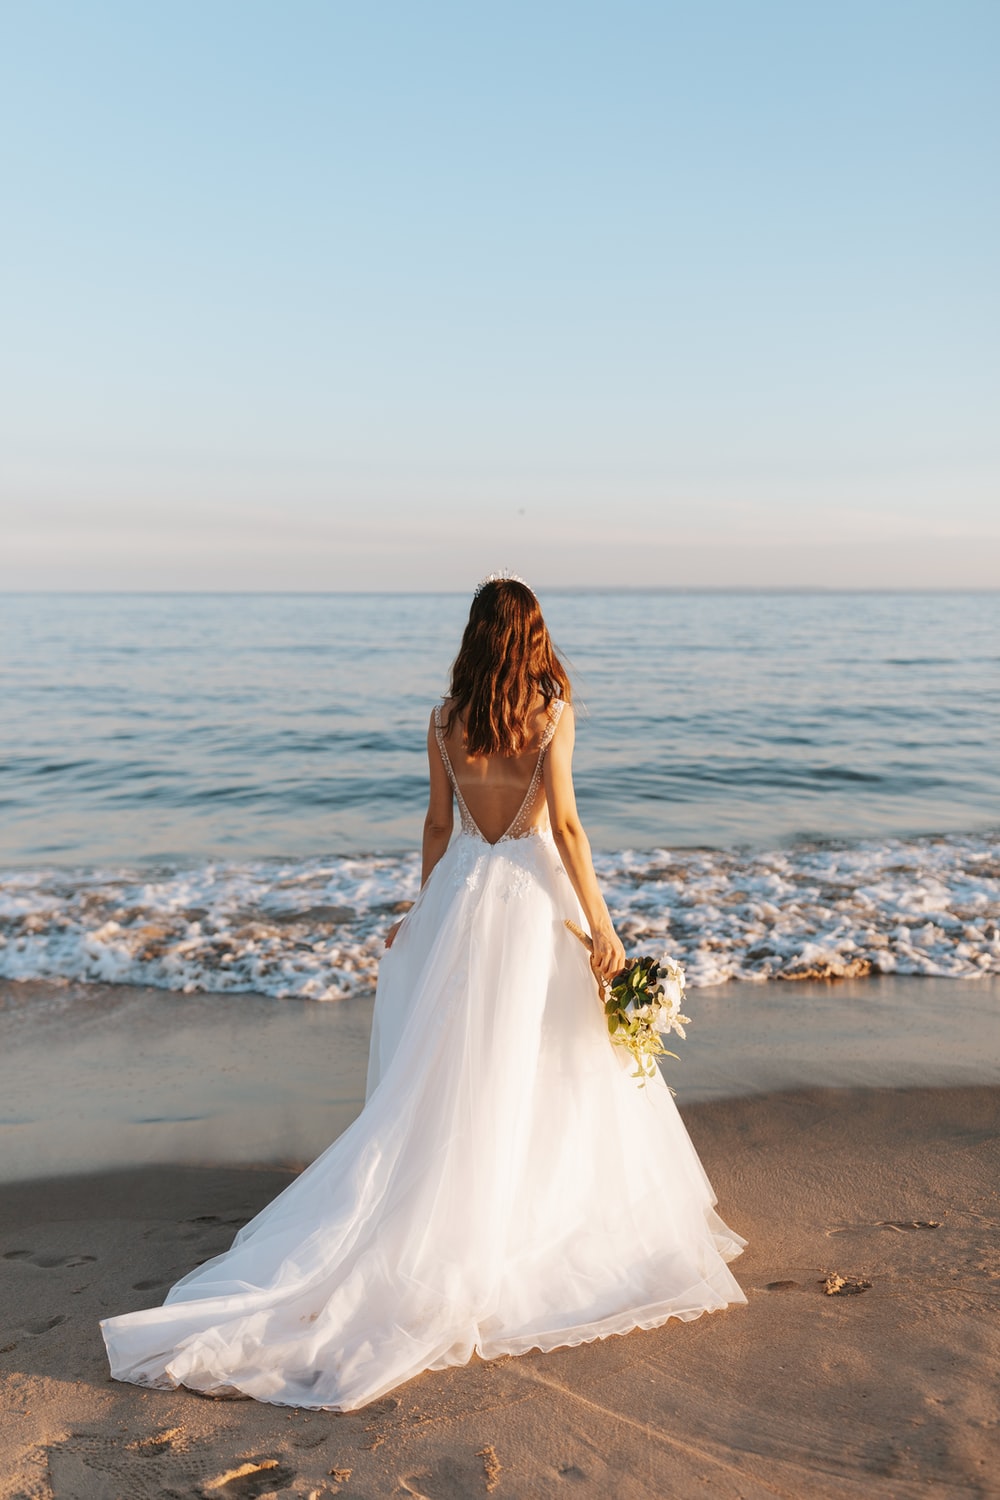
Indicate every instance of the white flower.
{"type": "Point", "coordinates": [669, 1018]}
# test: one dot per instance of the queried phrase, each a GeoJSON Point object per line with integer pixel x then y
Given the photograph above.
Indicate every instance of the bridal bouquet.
{"type": "Point", "coordinates": [643, 1004]}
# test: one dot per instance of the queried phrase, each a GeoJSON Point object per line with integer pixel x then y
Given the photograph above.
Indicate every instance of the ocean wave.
{"type": "Point", "coordinates": [314, 929]}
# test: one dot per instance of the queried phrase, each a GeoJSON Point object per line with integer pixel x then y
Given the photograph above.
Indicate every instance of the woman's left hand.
{"type": "Point", "coordinates": [607, 953]}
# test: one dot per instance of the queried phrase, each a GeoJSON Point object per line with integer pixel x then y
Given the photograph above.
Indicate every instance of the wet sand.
{"type": "Point", "coordinates": [885, 1391]}
{"type": "Point", "coordinates": [99, 1076]}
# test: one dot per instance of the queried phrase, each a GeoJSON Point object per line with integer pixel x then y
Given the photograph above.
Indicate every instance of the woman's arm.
{"type": "Point", "coordinates": [440, 808]}
{"type": "Point", "coordinates": [439, 820]}
{"type": "Point", "coordinates": [574, 847]}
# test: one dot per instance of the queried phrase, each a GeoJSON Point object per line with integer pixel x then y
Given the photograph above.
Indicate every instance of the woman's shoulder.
{"type": "Point", "coordinates": [551, 710]}
{"type": "Point", "coordinates": [560, 711]}
{"type": "Point", "coordinates": [444, 719]}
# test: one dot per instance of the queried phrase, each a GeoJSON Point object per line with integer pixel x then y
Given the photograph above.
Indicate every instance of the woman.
{"type": "Point", "coordinates": [508, 1185]}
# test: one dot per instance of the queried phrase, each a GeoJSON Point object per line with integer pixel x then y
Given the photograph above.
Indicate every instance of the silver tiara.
{"type": "Point", "coordinates": [502, 577]}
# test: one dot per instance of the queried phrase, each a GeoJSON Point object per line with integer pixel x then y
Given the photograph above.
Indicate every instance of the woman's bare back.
{"type": "Point", "coordinates": [494, 787]}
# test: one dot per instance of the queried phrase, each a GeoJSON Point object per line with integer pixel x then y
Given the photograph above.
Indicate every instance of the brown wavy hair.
{"type": "Point", "coordinates": [505, 659]}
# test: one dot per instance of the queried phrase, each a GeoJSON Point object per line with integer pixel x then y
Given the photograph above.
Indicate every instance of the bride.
{"type": "Point", "coordinates": [508, 1185]}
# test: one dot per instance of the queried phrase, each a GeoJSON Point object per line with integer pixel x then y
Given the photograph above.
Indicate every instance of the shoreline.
{"type": "Point", "coordinates": [886, 1393]}
{"type": "Point", "coordinates": [312, 927]}
{"type": "Point", "coordinates": [101, 1076]}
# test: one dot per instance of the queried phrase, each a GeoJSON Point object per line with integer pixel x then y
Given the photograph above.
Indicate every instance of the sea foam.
{"type": "Point", "coordinates": [314, 929]}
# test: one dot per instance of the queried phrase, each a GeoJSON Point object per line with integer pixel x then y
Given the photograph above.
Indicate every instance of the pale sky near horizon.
{"type": "Point", "coordinates": [310, 295]}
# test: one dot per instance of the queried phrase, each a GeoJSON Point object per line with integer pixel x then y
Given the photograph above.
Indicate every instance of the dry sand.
{"type": "Point", "coordinates": [890, 1391]}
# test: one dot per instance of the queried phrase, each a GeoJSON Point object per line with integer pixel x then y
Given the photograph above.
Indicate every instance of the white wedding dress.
{"type": "Point", "coordinates": [508, 1185]}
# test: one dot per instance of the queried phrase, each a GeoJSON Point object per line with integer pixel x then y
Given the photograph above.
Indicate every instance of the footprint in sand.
{"type": "Point", "coordinates": [48, 1262]}
{"type": "Point", "coordinates": [451, 1476]}
{"type": "Point", "coordinates": [432, 1486]}
{"type": "Point", "coordinates": [170, 1440]}
{"type": "Point", "coordinates": [250, 1480]}
{"type": "Point", "coordinates": [189, 1230]}
{"type": "Point", "coordinates": [43, 1325]}
{"type": "Point", "coordinates": [169, 1234]}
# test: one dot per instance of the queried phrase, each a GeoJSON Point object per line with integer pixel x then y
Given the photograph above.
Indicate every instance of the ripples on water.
{"type": "Point", "coordinates": [174, 732]}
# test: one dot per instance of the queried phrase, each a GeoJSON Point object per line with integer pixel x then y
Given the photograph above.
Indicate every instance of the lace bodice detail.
{"type": "Point", "coordinates": [523, 822]}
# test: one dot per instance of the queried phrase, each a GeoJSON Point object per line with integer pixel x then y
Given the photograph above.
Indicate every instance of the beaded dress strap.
{"type": "Point", "coordinates": [469, 823]}
{"type": "Point", "coordinates": [555, 714]}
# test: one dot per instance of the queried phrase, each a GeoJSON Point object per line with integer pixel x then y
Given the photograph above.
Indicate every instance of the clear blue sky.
{"type": "Point", "coordinates": [339, 295]}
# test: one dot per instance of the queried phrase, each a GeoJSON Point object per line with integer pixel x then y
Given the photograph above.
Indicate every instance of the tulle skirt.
{"type": "Point", "coordinates": [508, 1185]}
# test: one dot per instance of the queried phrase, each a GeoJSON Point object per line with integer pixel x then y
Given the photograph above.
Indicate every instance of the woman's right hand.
{"type": "Point", "coordinates": [608, 957]}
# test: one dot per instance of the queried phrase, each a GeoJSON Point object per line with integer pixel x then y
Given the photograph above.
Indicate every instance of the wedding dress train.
{"type": "Point", "coordinates": [508, 1185]}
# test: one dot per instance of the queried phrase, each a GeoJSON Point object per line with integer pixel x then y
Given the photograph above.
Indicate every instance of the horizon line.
{"type": "Point", "coordinates": [574, 588]}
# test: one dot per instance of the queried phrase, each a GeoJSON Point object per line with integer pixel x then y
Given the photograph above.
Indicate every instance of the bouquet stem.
{"type": "Point", "coordinates": [578, 932]}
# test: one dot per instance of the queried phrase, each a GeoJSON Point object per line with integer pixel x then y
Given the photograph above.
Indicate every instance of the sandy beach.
{"type": "Point", "coordinates": [435, 431]}
{"type": "Point", "coordinates": [884, 1388]}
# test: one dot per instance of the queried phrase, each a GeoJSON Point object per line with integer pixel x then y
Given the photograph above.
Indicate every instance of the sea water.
{"type": "Point", "coordinates": [224, 793]}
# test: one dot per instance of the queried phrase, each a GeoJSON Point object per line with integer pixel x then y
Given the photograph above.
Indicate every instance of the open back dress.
{"type": "Point", "coordinates": [508, 1185]}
